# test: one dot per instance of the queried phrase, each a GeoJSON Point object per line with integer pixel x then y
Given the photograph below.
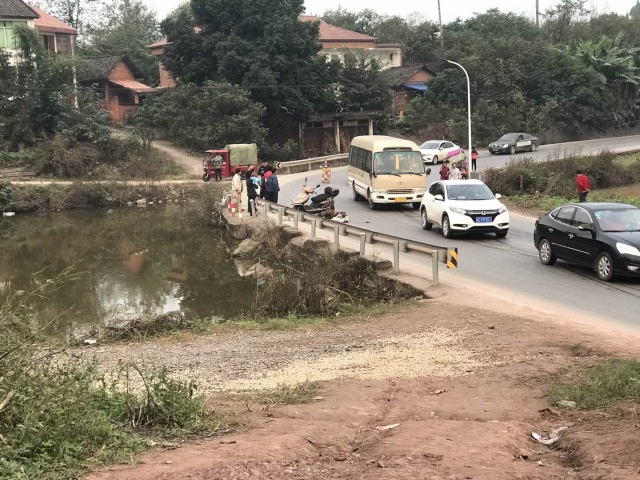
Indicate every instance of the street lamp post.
{"type": "Point", "coordinates": [468, 101]}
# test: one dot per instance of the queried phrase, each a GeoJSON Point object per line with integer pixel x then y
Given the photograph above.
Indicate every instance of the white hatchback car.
{"type": "Point", "coordinates": [434, 151]}
{"type": "Point", "coordinates": [463, 206]}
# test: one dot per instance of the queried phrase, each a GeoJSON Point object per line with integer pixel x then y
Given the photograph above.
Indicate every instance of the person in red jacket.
{"type": "Point", "coordinates": [584, 186]}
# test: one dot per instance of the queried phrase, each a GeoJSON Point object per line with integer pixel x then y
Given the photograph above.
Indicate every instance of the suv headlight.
{"type": "Point", "coordinates": [460, 211]}
{"type": "Point", "coordinates": [627, 249]}
{"type": "Point", "coordinates": [502, 209]}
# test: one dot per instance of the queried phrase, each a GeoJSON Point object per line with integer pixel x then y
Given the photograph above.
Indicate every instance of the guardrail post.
{"type": "Point", "coordinates": [336, 238]}
{"type": "Point", "coordinates": [296, 219]}
{"type": "Point", "coordinates": [403, 247]}
{"type": "Point", "coordinates": [363, 242]}
{"type": "Point", "coordinates": [313, 228]}
{"type": "Point", "coordinates": [435, 280]}
{"type": "Point", "coordinates": [396, 257]}
{"type": "Point", "coordinates": [265, 209]}
{"type": "Point", "coordinates": [369, 237]}
{"type": "Point", "coordinates": [280, 216]}
{"type": "Point", "coordinates": [343, 230]}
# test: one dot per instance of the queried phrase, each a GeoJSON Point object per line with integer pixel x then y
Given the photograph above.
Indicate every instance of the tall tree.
{"type": "Point", "coordinates": [262, 46]}
{"type": "Point", "coordinates": [126, 27]}
{"type": "Point", "coordinates": [635, 10]}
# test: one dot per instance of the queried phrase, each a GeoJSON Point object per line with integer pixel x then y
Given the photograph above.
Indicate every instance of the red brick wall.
{"type": "Point", "coordinates": [166, 80]}
{"type": "Point", "coordinates": [121, 72]}
{"type": "Point", "coordinates": [422, 76]}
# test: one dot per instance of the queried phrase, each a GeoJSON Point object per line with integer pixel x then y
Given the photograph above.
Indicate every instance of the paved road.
{"type": "Point", "coordinates": [510, 263]}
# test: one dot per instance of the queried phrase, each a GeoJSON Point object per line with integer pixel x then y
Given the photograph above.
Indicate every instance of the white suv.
{"type": "Point", "coordinates": [461, 206]}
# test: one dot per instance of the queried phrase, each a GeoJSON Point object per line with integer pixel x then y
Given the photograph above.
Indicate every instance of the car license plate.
{"type": "Point", "coordinates": [483, 219]}
{"type": "Point", "coordinates": [401, 199]}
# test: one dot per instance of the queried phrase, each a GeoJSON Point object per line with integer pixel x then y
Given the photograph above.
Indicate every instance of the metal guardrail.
{"type": "Point", "coordinates": [285, 166]}
{"type": "Point", "coordinates": [400, 245]}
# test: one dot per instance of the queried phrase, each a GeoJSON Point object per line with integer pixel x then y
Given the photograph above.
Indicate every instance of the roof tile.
{"type": "Point", "coordinates": [329, 33]}
{"type": "Point", "coordinates": [49, 23]}
{"type": "Point", "coordinates": [16, 9]}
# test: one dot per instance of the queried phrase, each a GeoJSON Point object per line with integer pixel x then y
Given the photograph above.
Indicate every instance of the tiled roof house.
{"type": "Point", "coordinates": [116, 79]}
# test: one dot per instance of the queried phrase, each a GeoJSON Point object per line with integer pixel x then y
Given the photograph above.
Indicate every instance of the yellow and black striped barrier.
{"type": "Point", "coordinates": [452, 260]}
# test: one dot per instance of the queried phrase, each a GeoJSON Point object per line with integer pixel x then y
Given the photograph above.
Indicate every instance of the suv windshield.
{"type": "Point", "coordinates": [397, 162]}
{"type": "Point", "coordinates": [619, 220]}
{"type": "Point", "coordinates": [469, 192]}
{"type": "Point", "coordinates": [430, 145]}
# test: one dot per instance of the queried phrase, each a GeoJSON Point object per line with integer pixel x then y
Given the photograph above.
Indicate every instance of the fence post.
{"type": "Point", "coordinates": [280, 214]}
{"type": "Point", "coordinates": [265, 209]}
{"type": "Point", "coordinates": [336, 238]}
{"type": "Point", "coordinates": [252, 204]}
{"type": "Point", "coordinates": [296, 219]}
{"type": "Point", "coordinates": [313, 228]}
{"type": "Point", "coordinates": [363, 242]}
{"type": "Point", "coordinates": [435, 280]}
{"type": "Point", "coordinates": [396, 257]}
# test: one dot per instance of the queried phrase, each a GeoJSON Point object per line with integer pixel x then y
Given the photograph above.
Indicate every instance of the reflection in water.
{"type": "Point", "coordinates": [151, 262]}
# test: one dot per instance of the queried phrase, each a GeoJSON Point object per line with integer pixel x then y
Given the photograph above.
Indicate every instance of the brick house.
{"type": "Point", "coordinates": [57, 36]}
{"type": "Point", "coordinates": [336, 41]}
{"type": "Point", "coordinates": [407, 82]}
{"type": "Point", "coordinates": [116, 79]}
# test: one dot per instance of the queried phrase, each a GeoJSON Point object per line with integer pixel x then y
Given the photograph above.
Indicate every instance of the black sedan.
{"type": "Point", "coordinates": [514, 142]}
{"type": "Point", "coordinates": [605, 236]}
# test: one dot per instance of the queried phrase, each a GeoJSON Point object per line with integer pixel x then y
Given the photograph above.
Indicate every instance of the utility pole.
{"type": "Point", "coordinates": [440, 21]}
{"type": "Point", "coordinates": [537, 13]}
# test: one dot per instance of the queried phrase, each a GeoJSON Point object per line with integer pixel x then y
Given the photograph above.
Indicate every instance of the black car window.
{"type": "Point", "coordinates": [433, 189]}
{"type": "Point", "coordinates": [447, 145]}
{"type": "Point", "coordinates": [582, 217]}
{"type": "Point", "coordinates": [565, 215]}
{"type": "Point", "coordinates": [440, 190]}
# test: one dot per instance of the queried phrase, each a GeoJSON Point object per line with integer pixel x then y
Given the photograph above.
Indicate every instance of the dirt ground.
{"type": "Point", "coordinates": [465, 386]}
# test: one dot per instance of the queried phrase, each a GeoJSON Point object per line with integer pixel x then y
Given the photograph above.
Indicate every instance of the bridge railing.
{"type": "Point", "coordinates": [400, 245]}
{"type": "Point", "coordinates": [308, 164]}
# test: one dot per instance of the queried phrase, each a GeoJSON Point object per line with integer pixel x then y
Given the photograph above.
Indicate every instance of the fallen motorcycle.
{"type": "Point", "coordinates": [319, 203]}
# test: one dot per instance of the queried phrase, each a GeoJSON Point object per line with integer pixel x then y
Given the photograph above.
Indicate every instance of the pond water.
{"type": "Point", "coordinates": [152, 263]}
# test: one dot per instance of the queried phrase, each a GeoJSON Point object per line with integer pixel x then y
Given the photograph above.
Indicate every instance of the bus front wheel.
{"type": "Point", "coordinates": [372, 205]}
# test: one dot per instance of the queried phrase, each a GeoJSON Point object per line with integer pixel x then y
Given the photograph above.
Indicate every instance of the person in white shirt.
{"type": "Point", "coordinates": [454, 174]}
{"type": "Point", "coordinates": [236, 189]}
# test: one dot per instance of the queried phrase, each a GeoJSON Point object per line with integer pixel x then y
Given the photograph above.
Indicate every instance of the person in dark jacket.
{"type": "Point", "coordinates": [273, 187]}
{"type": "Point", "coordinates": [251, 191]}
{"type": "Point", "coordinates": [262, 169]}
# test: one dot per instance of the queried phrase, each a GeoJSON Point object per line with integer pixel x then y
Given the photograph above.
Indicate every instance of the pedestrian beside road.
{"type": "Point", "coordinates": [217, 167]}
{"type": "Point", "coordinates": [236, 189]}
{"type": "Point", "coordinates": [252, 194]}
{"type": "Point", "coordinates": [584, 186]}
{"type": "Point", "coordinates": [262, 169]}
{"type": "Point", "coordinates": [273, 187]}
{"type": "Point", "coordinates": [455, 174]}
{"type": "Point", "coordinates": [474, 157]}
{"type": "Point", "coordinates": [444, 171]}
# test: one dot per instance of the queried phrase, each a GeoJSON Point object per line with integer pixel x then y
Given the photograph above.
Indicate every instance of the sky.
{"type": "Point", "coordinates": [428, 9]}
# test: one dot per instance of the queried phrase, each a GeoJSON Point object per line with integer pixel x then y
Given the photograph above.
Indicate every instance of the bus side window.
{"type": "Point", "coordinates": [367, 162]}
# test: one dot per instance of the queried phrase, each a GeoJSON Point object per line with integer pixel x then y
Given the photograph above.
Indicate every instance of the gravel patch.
{"type": "Point", "coordinates": [248, 360]}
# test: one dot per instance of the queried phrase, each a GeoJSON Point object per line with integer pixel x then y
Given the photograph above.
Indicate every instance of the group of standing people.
{"type": "Point", "coordinates": [458, 170]}
{"type": "Point", "coordinates": [262, 183]}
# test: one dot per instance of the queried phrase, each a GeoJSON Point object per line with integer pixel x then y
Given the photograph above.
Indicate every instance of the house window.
{"type": "Point", "coordinates": [64, 44]}
{"type": "Point", "coordinates": [49, 42]}
{"type": "Point", "coordinates": [7, 34]}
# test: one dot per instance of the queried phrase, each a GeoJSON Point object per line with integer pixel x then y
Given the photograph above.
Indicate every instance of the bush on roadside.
{"type": "Point", "coordinates": [59, 415]}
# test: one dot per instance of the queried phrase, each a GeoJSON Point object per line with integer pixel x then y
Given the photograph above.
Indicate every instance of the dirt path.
{"type": "Point", "coordinates": [190, 163]}
{"type": "Point", "coordinates": [466, 387]}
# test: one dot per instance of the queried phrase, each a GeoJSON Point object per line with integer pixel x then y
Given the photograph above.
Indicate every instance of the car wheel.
{"type": "Point", "coordinates": [426, 224]}
{"type": "Point", "coordinates": [604, 267]}
{"type": "Point", "coordinates": [533, 147]}
{"type": "Point", "coordinates": [372, 204]}
{"type": "Point", "coordinates": [446, 227]}
{"type": "Point", "coordinates": [512, 149]}
{"type": "Point", "coordinates": [434, 160]}
{"type": "Point", "coordinates": [544, 252]}
{"type": "Point", "coordinates": [356, 196]}
{"type": "Point", "coordinates": [502, 234]}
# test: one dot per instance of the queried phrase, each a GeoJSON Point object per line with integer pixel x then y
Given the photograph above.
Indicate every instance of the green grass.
{"type": "Point", "coordinates": [627, 160]}
{"type": "Point", "coordinates": [546, 203]}
{"type": "Point", "coordinates": [286, 394]}
{"type": "Point", "coordinates": [603, 385]}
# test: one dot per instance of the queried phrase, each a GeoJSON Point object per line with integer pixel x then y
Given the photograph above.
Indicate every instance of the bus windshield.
{"type": "Point", "coordinates": [398, 162]}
